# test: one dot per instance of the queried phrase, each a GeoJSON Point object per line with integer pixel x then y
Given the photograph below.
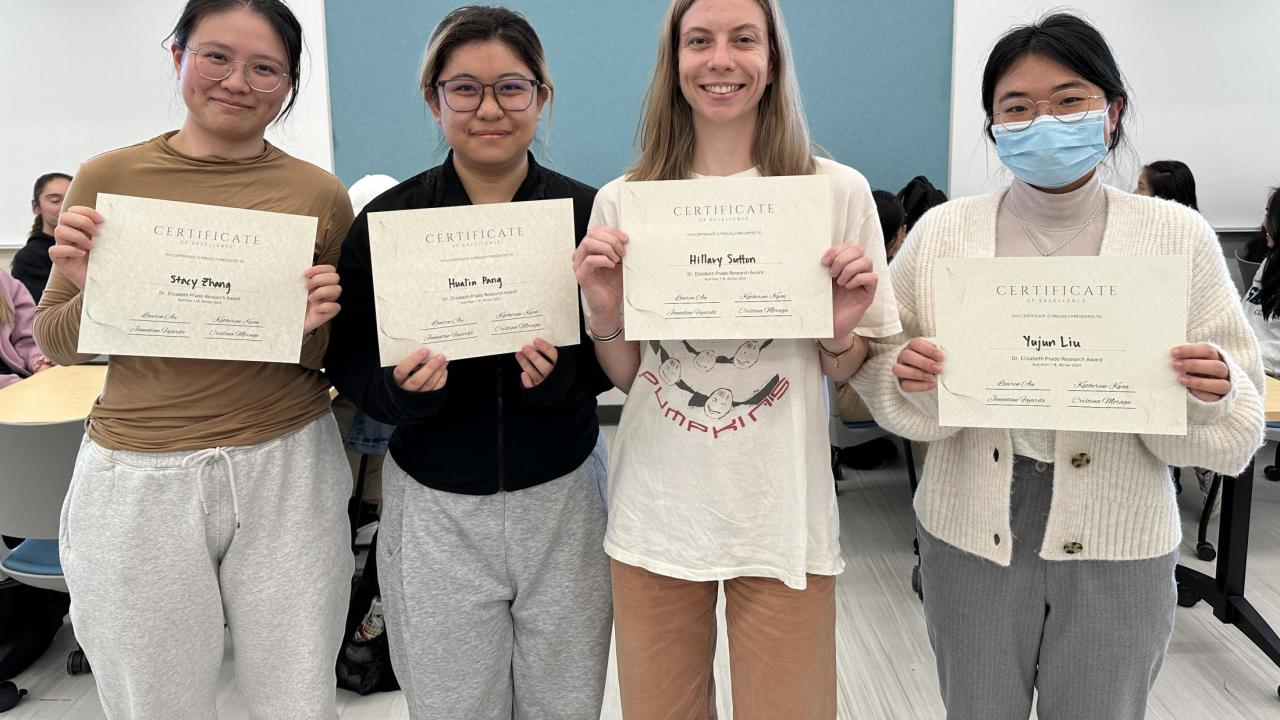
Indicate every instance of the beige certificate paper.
{"type": "Point", "coordinates": [474, 280]}
{"type": "Point", "coordinates": [175, 279]}
{"type": "Point", "coordinates": [727, 258]}
{"type": "Point", "coordinates": [1077, 343]}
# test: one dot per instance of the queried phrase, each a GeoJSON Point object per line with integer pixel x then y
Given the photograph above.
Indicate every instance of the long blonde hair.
{"type": "Point", "coordinates": [782, 145]}
{"type": "Point", "coordinates": [7, 314]}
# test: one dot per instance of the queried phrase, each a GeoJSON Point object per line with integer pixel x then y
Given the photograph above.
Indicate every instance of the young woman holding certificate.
{"type": "Point", "coordinates": [494, 584]}
{"type": "Point", "coordinates": [1047, 557]}
{"type": "Point", "coordinates": [210, 491]}
{"type": "Point", "coordinates": [721, 471]}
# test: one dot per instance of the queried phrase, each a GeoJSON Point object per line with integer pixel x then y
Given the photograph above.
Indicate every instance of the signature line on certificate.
{"type": "Point", "coordinates": [1018, 404]}
{"type": "Point", "coordinates": [446, 327]}
{"type": "Point", "coordinates": [517, 332]}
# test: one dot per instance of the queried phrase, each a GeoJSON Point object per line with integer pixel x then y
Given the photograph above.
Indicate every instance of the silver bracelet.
{"type": "Point", "coordinates": [609, 338]}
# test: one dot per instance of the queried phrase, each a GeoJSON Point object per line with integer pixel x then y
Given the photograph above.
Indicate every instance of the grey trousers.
{"type": "Point", "coordinates": [1089, 636]}
{"type": "Point", "coordinates": [497, 606]}
{"type": "Point", "coordinates": [155, 563]}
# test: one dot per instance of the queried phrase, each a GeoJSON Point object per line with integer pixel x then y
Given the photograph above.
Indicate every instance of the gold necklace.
{"type": "Point", "coordinates": [1013, 204]}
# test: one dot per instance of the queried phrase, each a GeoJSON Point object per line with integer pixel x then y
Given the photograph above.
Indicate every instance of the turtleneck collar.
{"type": "Point", "coordinates": [1056, 211]}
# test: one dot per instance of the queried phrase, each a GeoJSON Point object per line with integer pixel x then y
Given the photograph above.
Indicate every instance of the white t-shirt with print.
{"type": "Point", "coordinates": [721, 464]}
{"type": "Point", "coordinates": [1266, 331]}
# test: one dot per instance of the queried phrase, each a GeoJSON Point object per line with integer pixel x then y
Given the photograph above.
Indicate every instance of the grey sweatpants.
{"type": "Point", "coordinates": [497, 606]}
{"type": "Point", "coordinates": [155, 564]}
{"type": "Point", "coordinates": [1089, 636]}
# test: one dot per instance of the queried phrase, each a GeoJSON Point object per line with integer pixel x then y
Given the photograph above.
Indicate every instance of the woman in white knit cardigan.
{"type": "Point", "coordinates": [1047, 558]}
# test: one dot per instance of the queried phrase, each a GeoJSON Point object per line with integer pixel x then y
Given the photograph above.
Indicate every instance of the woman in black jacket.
{"type": "Point", "coordinates": [494, 580]}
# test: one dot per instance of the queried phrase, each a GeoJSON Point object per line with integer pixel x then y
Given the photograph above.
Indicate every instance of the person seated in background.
{"type": "Point", "coordinates": [19, 356]}
{"type": "Point", "coordinates": [31, 264]}
{"type": "Point", "coordinates": [893, 221]}
{"type": "Point", "coordinates": [893, 227]}
{"type": "Point", "coordinates": [1262, 301]}
{"type": "Point", "coordinates": [1170, 180]}
{"type": "Point", "coordinates": [917, 197]}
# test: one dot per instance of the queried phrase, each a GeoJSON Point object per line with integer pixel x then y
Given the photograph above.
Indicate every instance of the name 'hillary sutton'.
{"type": "Point", "coordinates": [720, 260]}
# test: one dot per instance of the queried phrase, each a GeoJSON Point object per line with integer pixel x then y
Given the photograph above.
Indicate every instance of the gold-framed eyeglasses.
{"type": "Point", "coordinates": [216, 64]}
{"type": "Point", "coordinates": [1068, 106]}
{"type": "Point", "coordinates": [513, 94]}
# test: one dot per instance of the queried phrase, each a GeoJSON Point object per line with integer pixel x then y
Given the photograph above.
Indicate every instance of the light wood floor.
{"type": "Point", "coordinates": [885, 664]}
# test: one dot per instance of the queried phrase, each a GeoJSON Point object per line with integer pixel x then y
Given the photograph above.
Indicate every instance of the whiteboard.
{"type": "Point", "coordinates": [1222, 56]}
{"type": "Point", "coordinates": [81, 77]}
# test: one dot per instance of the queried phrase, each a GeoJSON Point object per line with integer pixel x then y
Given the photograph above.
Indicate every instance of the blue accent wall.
{"type": "Point", "coordinates": [875, 76]}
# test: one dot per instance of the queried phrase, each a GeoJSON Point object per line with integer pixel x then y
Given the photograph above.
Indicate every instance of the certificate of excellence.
{"type": "Point", "coordinates": [474, 280]}
{"type": "Point", "coordinates": [727, 258]}
{"type": "Point", "coordinates": [1072, 343]}
{"type": "Point", "coordinates": [176, 279]}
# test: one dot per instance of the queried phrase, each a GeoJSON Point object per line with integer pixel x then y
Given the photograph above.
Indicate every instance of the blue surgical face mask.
{"type": "Point", "coordinates": [1053, 154]}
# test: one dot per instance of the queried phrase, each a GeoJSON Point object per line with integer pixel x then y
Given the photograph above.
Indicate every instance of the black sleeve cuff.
{"type": "Point", "coordinates": [411, 407]}
{"type": "Point", "coordinates": [555, 387]}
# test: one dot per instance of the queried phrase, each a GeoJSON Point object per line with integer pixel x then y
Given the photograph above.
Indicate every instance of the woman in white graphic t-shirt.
{"type": "Point", "coordinates": [720, 468]}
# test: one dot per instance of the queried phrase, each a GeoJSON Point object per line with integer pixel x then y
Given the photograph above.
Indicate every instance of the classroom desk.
{"type": "Point", "coordinates": [59, 394]}
{"type": "Point", "coordinates": [1224, 591]}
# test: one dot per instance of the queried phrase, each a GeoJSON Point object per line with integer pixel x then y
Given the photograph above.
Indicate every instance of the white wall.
{"type": "Point", "coordinates": [83, 76]}
{"type": "Point", "coordinates": [1204, 81]}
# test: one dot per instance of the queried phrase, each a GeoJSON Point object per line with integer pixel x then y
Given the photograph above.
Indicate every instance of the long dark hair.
{"type": "Point", "coordinates": [38, 225]}
{"type": "Point", "coordinates": [1269, 293]}
{"type": "Point", "coordinates": [918, 197]}
{"type": "Point", "coordinates": [1068, 40]}
{"type": "Point", "coordinates": [275, 12]}
{"type": "Point", "coordinates": [891, 213]}
{"type": "Point", "coordinates": [1172, 180]}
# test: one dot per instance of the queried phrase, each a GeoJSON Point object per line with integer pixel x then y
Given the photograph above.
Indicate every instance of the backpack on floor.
{"type": "Point", "coordinates": [29, 618]}
{"type": "Point", "coordinates": [364, 662]}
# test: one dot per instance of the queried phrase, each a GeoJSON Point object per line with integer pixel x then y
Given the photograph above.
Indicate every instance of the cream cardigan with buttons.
{"type": "Point", "coordinates": [1115, 501]}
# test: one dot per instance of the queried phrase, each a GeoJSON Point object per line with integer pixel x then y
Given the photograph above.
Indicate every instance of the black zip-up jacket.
{"type": "Point", "coordinates": [483, 432]}
{"type": "Point", "coordinates": [31, 265]}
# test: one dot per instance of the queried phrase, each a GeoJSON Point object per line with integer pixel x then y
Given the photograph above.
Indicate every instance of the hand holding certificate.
{"type": "Point", "coordinates": [173, 279]}
{"type": "Point", "coordinates": [1060, 343]}
{"type": "Point", "coordinates": [473, 280]}
{"type": "Point", "coordinates": [727, 258]}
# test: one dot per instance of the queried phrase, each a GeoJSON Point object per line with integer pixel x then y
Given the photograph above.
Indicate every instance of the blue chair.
{"type": "Point", "coordinates": [37, 468]}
